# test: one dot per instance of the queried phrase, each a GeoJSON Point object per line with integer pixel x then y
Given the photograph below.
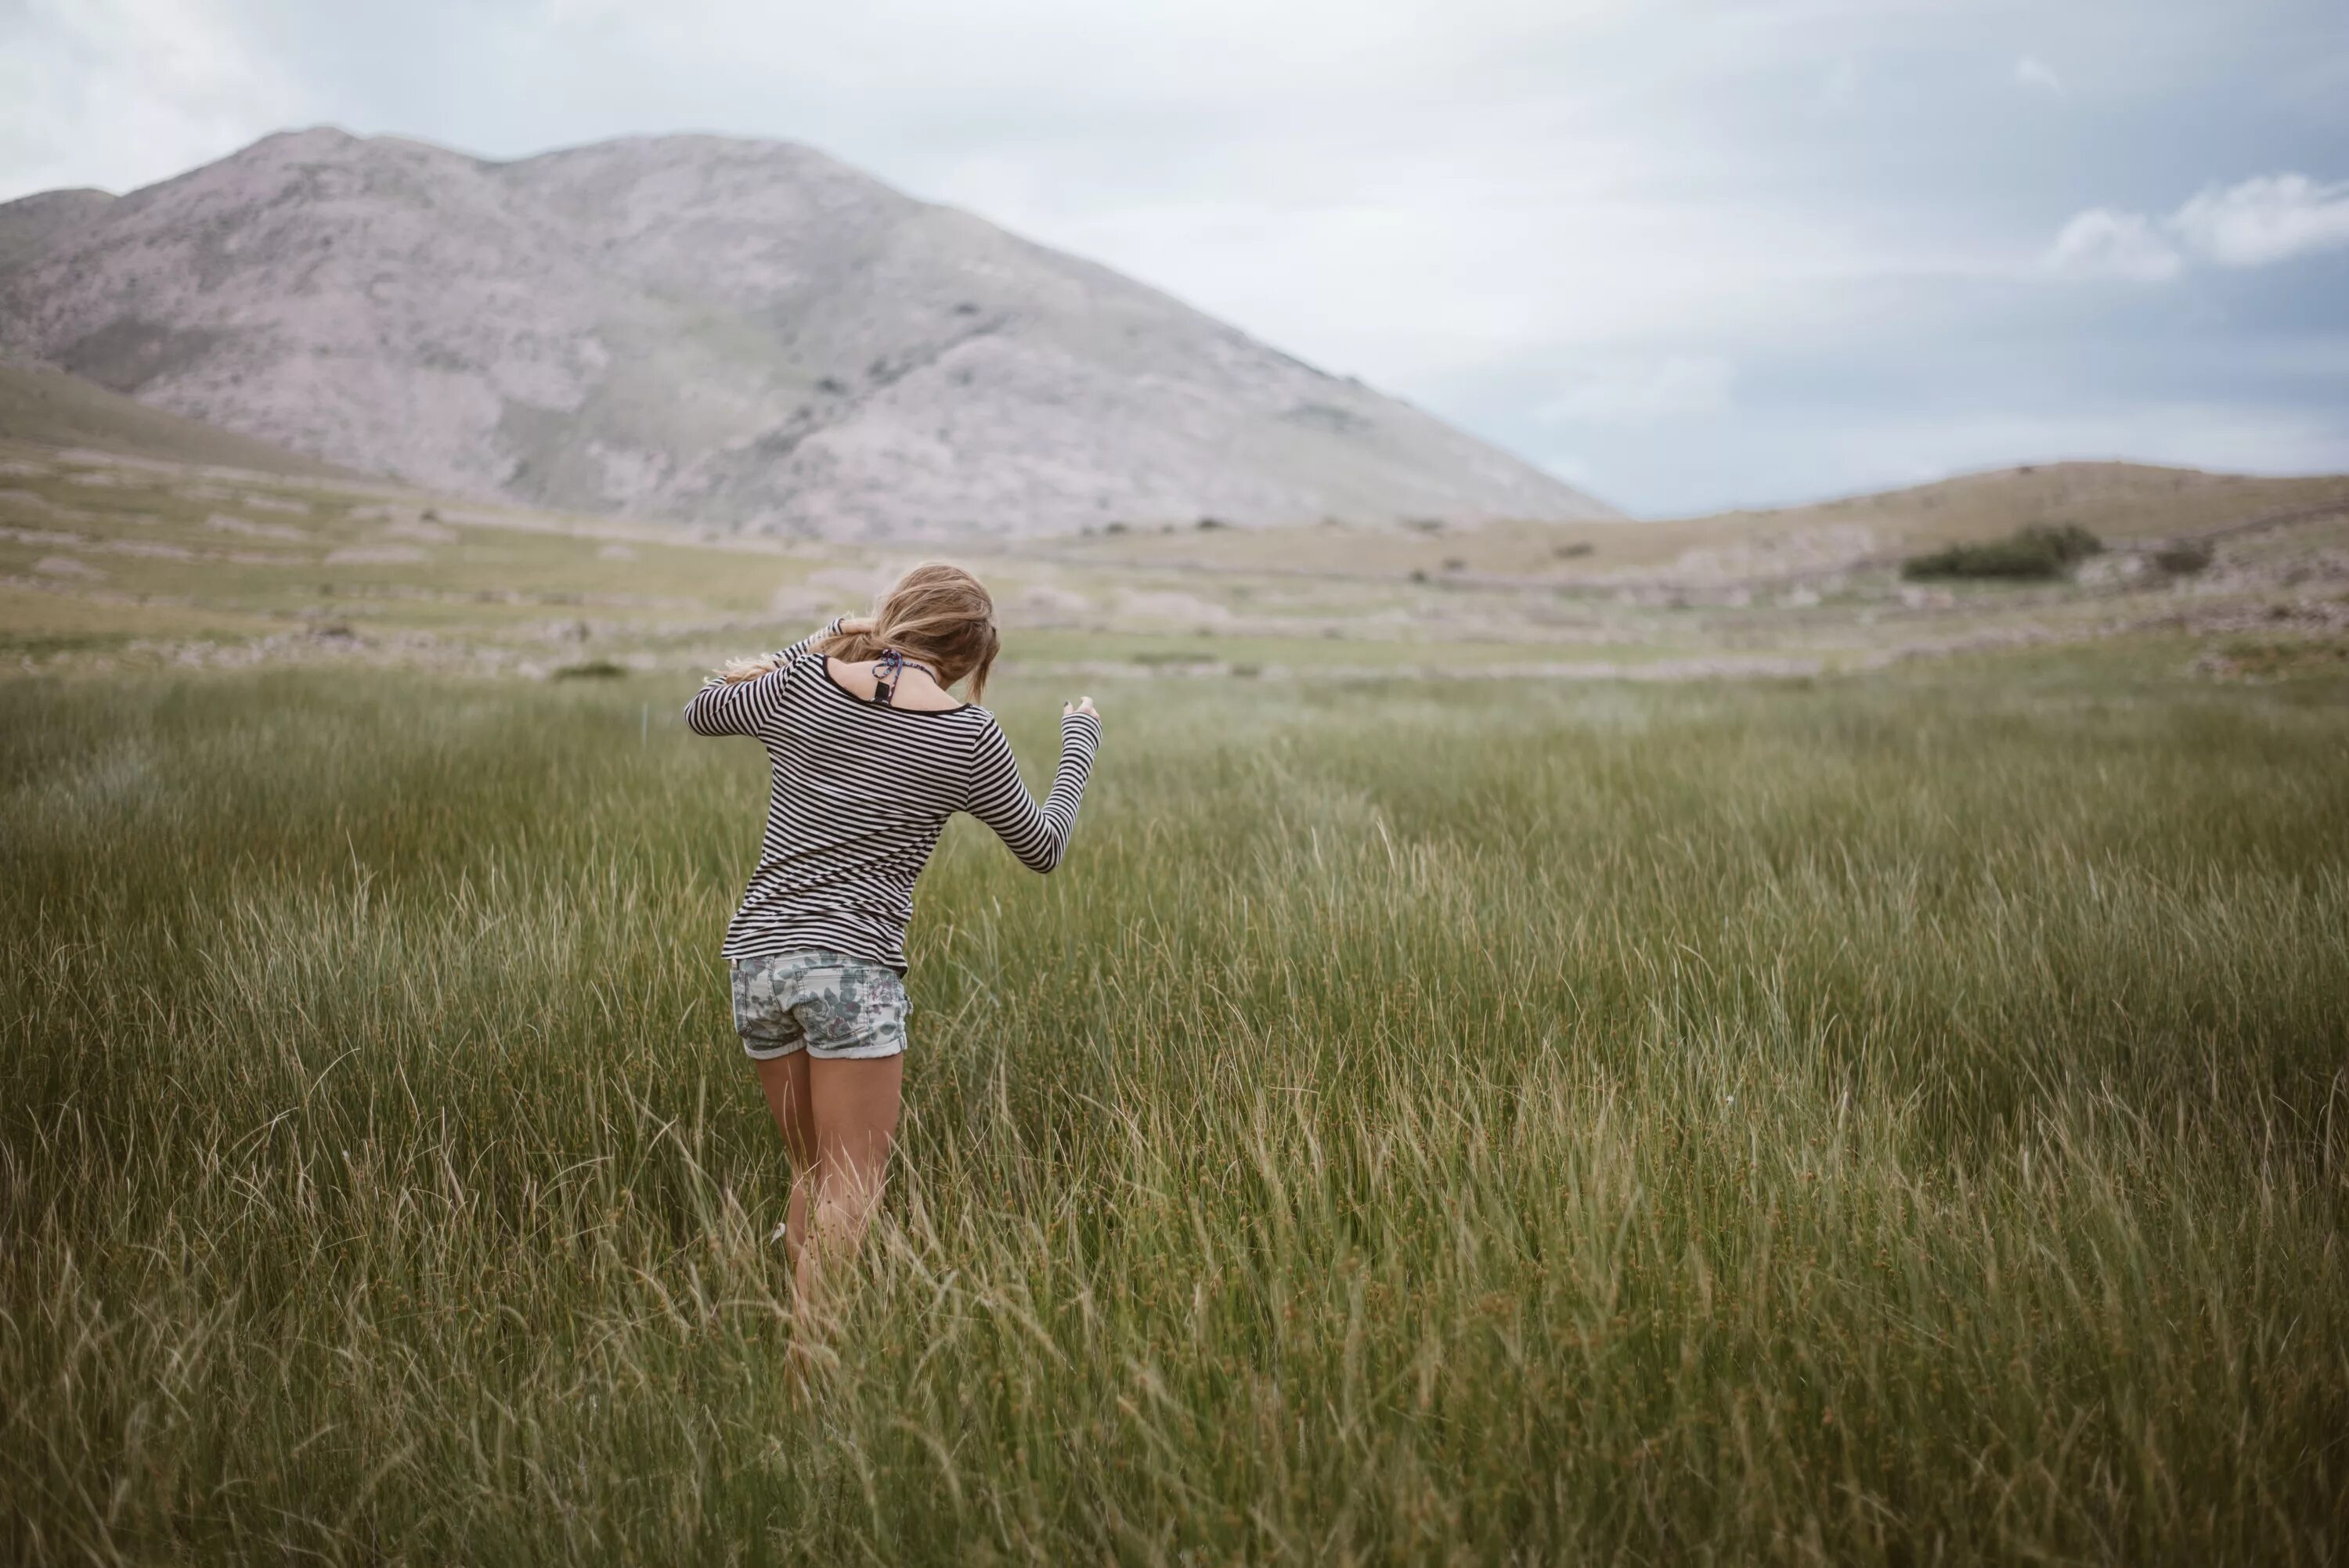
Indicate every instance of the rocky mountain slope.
{"type": "Point", "coordinates": [742, 334]}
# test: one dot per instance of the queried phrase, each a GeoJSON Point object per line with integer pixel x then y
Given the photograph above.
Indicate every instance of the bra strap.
{"type": "Point", "coordinates": [889, 669]}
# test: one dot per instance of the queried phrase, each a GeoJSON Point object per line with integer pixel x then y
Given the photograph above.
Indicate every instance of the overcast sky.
{"type": "Point", "coordinates": [1687, 255]}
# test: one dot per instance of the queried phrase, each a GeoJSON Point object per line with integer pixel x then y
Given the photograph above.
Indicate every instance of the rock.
{"type": "Point", "coordinates": [375, 555]}
{"type": "Point", "coordinates": [224, 522]}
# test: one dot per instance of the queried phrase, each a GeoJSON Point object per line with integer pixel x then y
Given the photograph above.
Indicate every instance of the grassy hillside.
{"type": "Point", "coordinates": [2125, 501]}
{"type": "Point", "coordinates": [49, 407]}
{"type": "Point", "coordinates": [126, 562]}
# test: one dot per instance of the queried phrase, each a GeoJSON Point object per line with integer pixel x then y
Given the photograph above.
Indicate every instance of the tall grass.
{"type": "Point", "coordinates": [1898, 1121]}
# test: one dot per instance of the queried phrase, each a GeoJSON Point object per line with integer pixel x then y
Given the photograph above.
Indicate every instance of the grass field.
{"type": "Point", "coordinates": [1900, 1117]}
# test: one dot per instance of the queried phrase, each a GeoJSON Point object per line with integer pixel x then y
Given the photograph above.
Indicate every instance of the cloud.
{"type": "Point", "coordinates": [2270, 219]}
{"type": "Point", "coordinates": [1642, 391]}
{"type": "Point", "coordinates": [2103, 243]}
{"type": "Point", "coordinates": [2031, 71]}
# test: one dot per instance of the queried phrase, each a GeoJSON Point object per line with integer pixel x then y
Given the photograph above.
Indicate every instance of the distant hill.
{"type": "Point", "coordinates": [55, 409]}
{"type": "Point", "coordinates": [742, 334]}
{"type": "Point", "coordinates": [2118, 500]}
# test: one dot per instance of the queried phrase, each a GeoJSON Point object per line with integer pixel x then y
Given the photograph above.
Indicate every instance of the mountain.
{"type": "Point", "coordinates": [31, 226]}
{"type": "Point", "coordinates": [52, 408]}
{"type": "Point", "coordinates": [737, 334]}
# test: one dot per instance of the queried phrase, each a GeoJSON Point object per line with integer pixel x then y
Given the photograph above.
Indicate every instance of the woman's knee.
{"type": "Point", "coordinates": [846, 1200]}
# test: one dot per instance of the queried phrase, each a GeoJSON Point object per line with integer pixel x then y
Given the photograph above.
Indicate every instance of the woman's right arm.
{"type": "Point", "coordinates": [1038, 835]}
{"type": "Point", "coordinates": [741, 698]}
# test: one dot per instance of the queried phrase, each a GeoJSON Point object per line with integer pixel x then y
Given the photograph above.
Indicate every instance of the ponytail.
{"type": "Point", "coordinates": [937, 613]}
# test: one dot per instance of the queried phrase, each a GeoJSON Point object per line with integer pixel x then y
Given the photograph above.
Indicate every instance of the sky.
{"type": "Point", "coordinates": [1686, 257]}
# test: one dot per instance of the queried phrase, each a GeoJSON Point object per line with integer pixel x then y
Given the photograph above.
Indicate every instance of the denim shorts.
{"type": "Point", "coordinates": [833, 1006]}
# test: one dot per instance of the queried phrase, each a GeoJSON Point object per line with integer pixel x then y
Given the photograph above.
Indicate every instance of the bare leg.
{"type": "Point", "coordinates": [855, 1105]}
{"type": "Point", "coordinates": [785, 1082]}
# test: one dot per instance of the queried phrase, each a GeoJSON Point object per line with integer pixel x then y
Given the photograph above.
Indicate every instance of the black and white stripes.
{"type": "Point", "coordinates": [860, 795]}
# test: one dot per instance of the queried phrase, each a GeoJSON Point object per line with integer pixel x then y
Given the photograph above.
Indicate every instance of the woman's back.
{"type": "Point", "coordinates": [861, 792]}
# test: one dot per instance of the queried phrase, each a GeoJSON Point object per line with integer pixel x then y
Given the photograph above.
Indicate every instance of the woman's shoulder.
{"type": "Point", "coordinates": [790, 669]}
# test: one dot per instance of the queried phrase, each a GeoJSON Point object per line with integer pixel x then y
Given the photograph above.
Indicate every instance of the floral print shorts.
{"type": "Point", "coordinates": [833, 1006]}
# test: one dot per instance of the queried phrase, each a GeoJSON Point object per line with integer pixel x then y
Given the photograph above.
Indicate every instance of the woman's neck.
{"type": "Point", "coordinates": [915, 687]}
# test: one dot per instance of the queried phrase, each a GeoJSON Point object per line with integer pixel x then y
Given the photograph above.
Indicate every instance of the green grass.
{"type": "Point", "coordinates": [1896, 1121]}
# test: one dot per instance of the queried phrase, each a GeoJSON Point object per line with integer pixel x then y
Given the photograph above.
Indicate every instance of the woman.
{"type": "Point", "coordinates": [871, 755]}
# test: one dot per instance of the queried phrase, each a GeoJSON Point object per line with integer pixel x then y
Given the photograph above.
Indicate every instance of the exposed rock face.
{"type": "Point", "coordinates": [746, 335]}
{"type": "Point", "coordinates": [29, 228]}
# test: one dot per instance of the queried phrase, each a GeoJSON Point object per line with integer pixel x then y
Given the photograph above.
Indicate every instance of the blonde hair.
{"type": "Point", "coordinates": [936, 612]}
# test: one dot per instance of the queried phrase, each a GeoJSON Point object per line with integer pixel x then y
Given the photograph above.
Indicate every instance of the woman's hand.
{"type": "Point", "coordinates": [856, 624]}
{"type": "Point", "coordinates": [1083, 704]}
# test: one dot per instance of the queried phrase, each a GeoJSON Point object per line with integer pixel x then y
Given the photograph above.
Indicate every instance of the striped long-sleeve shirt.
{"type": "Point", "coordinates": [860, 795]}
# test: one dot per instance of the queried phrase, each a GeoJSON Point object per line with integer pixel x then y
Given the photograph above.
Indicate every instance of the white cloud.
{"type": "Point", "coordinates": [1642, 391]}
{"type": "Point", "coordinates": [2103, 243]}
{"type": "Point", "coordinates": [2030, 71]}
{"type": "Point", "coordinates": [2270, 219]}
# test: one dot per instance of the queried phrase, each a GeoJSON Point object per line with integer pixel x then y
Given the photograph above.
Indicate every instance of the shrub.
{"type": "Point", "coordinates": [2184, 558]}
{"type": "Point", "coordinates": [2038, 550]}
{"type": "Point", "coordinates": [593, 669]}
